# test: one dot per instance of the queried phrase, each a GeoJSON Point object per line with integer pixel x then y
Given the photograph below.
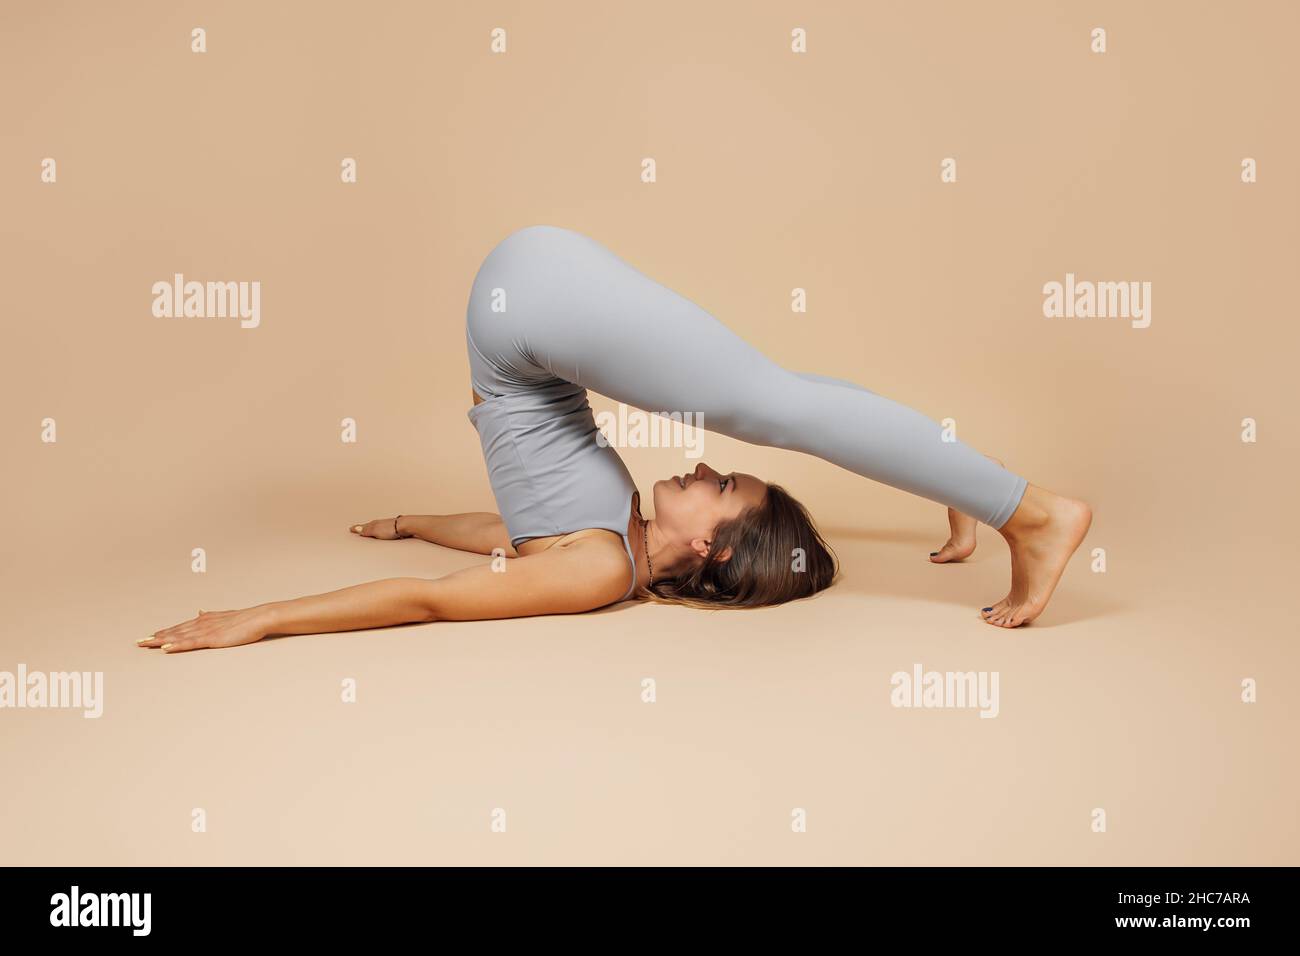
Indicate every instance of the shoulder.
{"type": "Point", "coordinates": [599, 558]}
{"type": "Point", "coordinates": [580, 573]}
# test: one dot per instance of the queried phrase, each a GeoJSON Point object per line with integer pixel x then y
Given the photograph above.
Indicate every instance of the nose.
{"type": "Point", "coordinates": [702, 471]}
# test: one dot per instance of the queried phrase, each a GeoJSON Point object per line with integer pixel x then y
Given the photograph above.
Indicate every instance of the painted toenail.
{"type": "Point", "coordinates": [933, 553]}
{"type": "Point", "coordinates": [988, 609]}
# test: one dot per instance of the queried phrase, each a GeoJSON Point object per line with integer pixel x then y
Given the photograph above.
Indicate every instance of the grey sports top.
{"type": "Point", "coordinates": [548, 472]}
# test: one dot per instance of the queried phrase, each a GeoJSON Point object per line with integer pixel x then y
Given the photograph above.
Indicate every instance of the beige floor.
{"type": "Point", "coordinates": [1124, 697]}
{"type": "Point", "coordinates": [775, 173]}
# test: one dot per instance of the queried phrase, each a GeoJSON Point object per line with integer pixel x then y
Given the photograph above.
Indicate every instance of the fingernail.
{"type": "Point", "coordinates": [165, 646]}
{"type": "Point", "coordinates": [988, 608]}
{"type": "Point", "coordinates": [356, 527]}
{"type": "Point", "coordinates": [144, 640]}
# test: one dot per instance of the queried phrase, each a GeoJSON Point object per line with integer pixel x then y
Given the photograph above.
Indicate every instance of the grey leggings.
{"type": "Point", "coordinates": [591, 319]}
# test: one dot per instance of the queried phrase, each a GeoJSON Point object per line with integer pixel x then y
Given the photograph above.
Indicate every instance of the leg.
{"type": "Point", "coordinates": [961, 527]}
{"type": "Point", "coordinates": [1042, 533]}
{"type": "Point", "coordinates": [582, 314]}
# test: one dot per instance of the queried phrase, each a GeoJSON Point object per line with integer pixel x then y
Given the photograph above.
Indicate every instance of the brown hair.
{"type": "Point", "coordinates": [761, 571]}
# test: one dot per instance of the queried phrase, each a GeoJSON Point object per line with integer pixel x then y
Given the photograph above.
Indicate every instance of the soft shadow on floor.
{"type": "Point", "coordinates": [889, 535]}
{"type": "Point", "coordinates": [874, 562]}
{"type": "Point", "coordinates": [888, 563]}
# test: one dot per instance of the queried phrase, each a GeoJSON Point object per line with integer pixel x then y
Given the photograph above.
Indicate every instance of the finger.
{"type": "Point", "coordinates": [158, 638]}
{"type": "Point", "coordinates": [182, 644]}
{"type": "Point", "coordinates": [355, 529]}
{"type": "Point", "coordinates": [174, 629]}
{"type": "Point", "coordinates": [180, 630]}
{"type": "Point", "coordinates": [183, 629]}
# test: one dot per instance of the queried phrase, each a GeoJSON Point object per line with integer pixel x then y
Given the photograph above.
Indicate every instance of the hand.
{"type": "Point", "coordinates": [381, 528]}
{"type": "Point", "coordinates": [211, 629]}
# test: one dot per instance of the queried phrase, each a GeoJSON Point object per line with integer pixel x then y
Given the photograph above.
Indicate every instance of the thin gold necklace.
{"type": "Point", "coordinates": [645, 537]}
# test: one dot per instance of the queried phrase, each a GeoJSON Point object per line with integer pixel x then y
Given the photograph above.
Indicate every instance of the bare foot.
{"type": "Point", "coordinates": [1042, 534]}
{"type": "Point", "coordinates": [960, 543]}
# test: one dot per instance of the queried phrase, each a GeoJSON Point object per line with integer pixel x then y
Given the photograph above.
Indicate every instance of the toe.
{"type": "Point", "coordinates": [1024, 614]}
{"type": "Point", "coordinates": [999, 613]}
{"type": "Point", "coordinates": [1017, 614]}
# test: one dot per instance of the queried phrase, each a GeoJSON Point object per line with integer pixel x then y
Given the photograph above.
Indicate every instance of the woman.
{"type": "Point", "coordinates": [553, 313]}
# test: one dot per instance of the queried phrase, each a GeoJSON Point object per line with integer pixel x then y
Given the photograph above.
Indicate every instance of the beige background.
{"type": "Point", "coordinates": [775, 171]}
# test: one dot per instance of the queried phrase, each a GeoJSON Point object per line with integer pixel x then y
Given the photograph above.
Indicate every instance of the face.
{"type": "Point", "coordinates": [689, 507]}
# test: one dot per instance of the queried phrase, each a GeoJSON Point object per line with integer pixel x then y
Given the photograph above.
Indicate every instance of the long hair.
{"type": "Point", "coordinates": [777, 555]}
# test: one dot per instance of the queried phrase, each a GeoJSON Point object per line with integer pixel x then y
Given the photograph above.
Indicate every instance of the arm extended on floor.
{"type": "Point", "coordinates": [562, 580]}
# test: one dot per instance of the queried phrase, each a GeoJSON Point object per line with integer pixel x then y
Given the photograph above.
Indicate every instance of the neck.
{"type": "Point", "coordinates": [645, 534]}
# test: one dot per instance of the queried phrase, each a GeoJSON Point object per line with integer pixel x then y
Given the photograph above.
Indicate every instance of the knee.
{"type": "Point", "coordinates": [531, 235]}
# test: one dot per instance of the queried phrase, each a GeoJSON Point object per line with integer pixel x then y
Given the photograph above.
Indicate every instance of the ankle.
{"type": "Point", "coordinates": [1032, 515]}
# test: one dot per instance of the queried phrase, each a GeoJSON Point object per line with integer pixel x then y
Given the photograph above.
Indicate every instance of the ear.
{"type": "Point", "coordinates": [701, 547]}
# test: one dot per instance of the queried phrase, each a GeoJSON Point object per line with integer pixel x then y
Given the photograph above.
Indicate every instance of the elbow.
{"type": "Point", "coordinates": [429, 612]}
{"type": "Point", "coordinates": [423, 605]}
